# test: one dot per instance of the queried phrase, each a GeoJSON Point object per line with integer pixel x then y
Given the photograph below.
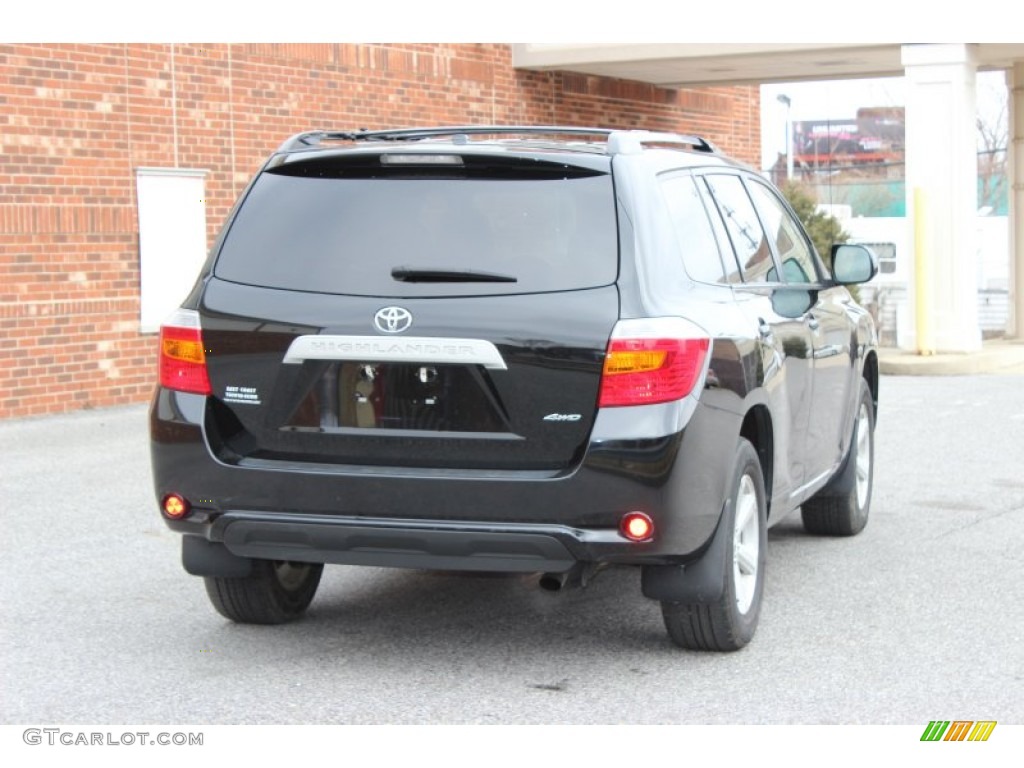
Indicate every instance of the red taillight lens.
{"type": "Point", "coordinates": [182, 355]}
{"type": "Point", "coordinates": [636, 526]}
{"type": "Point", "coordinates": [641, 369]}
{"type": "Point", "coordinates": [175, 506]}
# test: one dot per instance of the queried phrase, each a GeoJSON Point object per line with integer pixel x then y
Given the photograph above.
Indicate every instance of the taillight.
{"type": "Point", "coordinates": [175, 506]}
{"type": "Point", "coordinates": [653, 360]}
{"type": "Point", "coordinates": [636, 526]}
{"type": "Point", "coordinates": [182, 355]}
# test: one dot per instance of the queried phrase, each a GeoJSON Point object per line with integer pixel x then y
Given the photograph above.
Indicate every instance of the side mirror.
{"type": "Point", "coordinates": [852, 264]}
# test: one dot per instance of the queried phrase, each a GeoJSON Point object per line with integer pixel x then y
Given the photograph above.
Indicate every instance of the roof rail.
{"type": "Point", "coordinates": [620, 142]}
{"type": "Point", "coordinates": [632, 142]}
{"type": "Point", "coordinates": [312, 138]}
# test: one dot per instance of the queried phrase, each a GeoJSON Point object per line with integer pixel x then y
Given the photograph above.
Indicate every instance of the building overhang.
{"type": "Point", "coordinates": [674, 65]}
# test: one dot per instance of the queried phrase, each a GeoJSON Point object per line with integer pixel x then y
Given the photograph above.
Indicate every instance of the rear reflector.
{"type": "Point", "coordinates": [652, 361]}
{"type": "Point", "coordinates": [636, 526]}
{"type": "Point", "coordinates": [175, 506]}
{"type": "Point", "coordinates": [182, 355]}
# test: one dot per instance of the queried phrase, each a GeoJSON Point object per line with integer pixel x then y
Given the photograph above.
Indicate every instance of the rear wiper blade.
{"type": "Point", "coordinates": [411, 275]}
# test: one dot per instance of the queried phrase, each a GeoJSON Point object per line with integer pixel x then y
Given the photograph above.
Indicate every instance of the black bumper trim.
{"type": "Point", "coordinates": [395, 544]}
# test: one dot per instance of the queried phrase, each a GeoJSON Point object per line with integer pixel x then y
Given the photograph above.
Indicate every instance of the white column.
{"type": "Point", "coordinates": [941, 156]}
{"type": "Point", "coordinates": [1015, 168]}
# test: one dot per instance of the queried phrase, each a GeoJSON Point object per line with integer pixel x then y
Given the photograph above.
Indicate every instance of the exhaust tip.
{"type": "Point", "coordinates": [553, 582]}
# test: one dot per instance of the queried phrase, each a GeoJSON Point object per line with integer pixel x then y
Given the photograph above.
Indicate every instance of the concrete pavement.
{"type": "Point", "coordinates": [1002, 356]}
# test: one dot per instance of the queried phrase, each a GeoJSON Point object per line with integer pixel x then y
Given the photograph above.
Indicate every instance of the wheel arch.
{"type": "Point", "coordinates": [870, 373]}
{"type": "Point", "coordinates": [757, 429]}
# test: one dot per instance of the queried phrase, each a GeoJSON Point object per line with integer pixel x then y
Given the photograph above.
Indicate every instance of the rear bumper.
{"type": "Point", "coordinates": [433, 519]}
{"type": "Point", "coordinates": [407, 544]}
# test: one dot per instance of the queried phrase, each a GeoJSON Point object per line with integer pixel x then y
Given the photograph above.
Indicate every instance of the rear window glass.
{"type": "Point", "coordinates": [347, 236]}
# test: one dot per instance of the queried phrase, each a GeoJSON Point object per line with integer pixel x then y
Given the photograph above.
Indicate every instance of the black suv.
{"type": "Point", "coordinates": [507, 349]}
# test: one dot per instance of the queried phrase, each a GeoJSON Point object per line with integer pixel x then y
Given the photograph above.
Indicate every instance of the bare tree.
{"type": "Point", "coordinates": [993, 131]}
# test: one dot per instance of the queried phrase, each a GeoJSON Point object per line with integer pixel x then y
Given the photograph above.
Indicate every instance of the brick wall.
{"type": "Point", "coordinates": [77, 120]}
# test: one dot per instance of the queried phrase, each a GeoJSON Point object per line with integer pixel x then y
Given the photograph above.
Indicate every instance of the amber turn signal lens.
{"type": "Point", "coordinates": [620, 361]}
{"type": "Point", "coordinates": [188, 350]}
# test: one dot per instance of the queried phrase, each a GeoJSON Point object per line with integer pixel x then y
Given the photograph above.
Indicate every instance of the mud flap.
{"type": "Point", "coordinates": [844, 481]}
{"type": "Point", "coordinates": [208, 558]}
{"type": "Point", "coordinates": [702, 581]}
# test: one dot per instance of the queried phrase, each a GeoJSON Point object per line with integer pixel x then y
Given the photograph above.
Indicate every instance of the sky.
{"type": "Point", "coordinates": [534, 20]}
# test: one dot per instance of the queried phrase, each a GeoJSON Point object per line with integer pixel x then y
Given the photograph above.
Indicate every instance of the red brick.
{"type": "Point", "coordinates": [77, 120]}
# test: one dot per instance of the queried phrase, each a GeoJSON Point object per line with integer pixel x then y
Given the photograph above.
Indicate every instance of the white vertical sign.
{"type": "Point", "coordinates": [172, 239]}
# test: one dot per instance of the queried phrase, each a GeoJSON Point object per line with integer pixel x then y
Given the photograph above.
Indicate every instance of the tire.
{"type": "Point", "coordinates": [841, 508]}
{"type": "Point", "coordinates": [728, 623]}
{"type": "Point", "coordinates": [275, 592]}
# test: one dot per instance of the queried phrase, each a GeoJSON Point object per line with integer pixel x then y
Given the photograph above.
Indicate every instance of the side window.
{"type": "Point", "coordinates": [795, 254]}
{"type": "Point", "coordinates": [744, 228]}
{"type": "Point", "coordinates": [732, 267]}
{"type": "Point", "coordinates": [693, 229]}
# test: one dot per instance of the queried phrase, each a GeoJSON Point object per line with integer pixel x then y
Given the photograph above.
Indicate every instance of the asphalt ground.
{"type": "Point", "coordinates": [920, 617]}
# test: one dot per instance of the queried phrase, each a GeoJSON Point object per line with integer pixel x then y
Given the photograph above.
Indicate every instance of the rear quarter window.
{"type": "Point", "coordinates": [696, 238]}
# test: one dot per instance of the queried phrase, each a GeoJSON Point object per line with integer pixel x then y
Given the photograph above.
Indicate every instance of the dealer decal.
{"type": "Point", "coordinates": [247, 395]}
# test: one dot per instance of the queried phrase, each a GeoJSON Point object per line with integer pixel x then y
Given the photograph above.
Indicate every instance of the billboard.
{"type": "Point", "coordinates": [874, 137]}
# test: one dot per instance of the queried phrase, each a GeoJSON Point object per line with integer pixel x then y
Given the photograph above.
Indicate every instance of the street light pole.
{"type": "Point", "coordinates": [784, 99]}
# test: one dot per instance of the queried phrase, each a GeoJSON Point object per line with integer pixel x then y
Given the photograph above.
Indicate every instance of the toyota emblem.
{"type": "Point", "coordinates": [392, 319]}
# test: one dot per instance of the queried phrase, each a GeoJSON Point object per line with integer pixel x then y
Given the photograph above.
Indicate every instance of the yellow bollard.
{"type": "Point", "coordinates": [923, 275]}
